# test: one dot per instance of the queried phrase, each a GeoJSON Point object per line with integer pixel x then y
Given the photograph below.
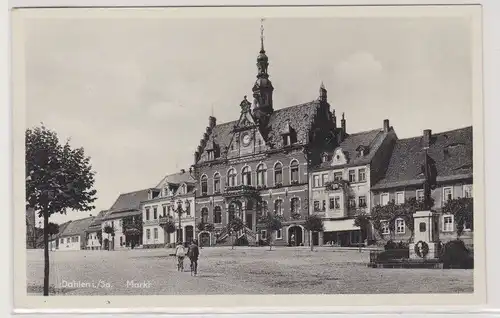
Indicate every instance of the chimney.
{"type": "Point", "coordinates": [183, 171]}
{"type": "Point", "coordinates": [212, 121]}
{"type": "Point", "coordinates": [386, 125]}
{"type": "Point", "coordinates": [342, 124]}
{"type": "Point", "coordinates": [427, 138]}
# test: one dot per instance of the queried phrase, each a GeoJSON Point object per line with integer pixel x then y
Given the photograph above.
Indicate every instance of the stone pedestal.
{"type": "Point", "coordinates": [424, 245]}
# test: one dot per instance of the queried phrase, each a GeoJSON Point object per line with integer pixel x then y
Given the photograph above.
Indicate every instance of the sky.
{"type": "Point", "coordinates": [136, 93]}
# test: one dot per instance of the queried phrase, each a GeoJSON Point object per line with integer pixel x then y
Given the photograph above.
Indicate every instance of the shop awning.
{"type": "Point", "coordinates": [340, 225]}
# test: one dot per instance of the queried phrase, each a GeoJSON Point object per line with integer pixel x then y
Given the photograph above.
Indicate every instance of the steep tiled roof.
{"type": "Point", "coordinates": [96, 223]}
{"type": "Point", "coordinates": [451, 150]}
{"type": "Point", "coordinates": [177, 178]}
{"type": "Point", "coordinates": [77, 227]}
{"type": "Point", "coordinates": [371, 140]}
{"type": "Point", "coordinates": [299, 117]}
{"type": "Point", "coordinates": [127, 202]}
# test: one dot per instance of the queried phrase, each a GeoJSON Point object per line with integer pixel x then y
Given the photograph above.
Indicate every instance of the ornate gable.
{"type": "Point", "coordinates": [339, 157]}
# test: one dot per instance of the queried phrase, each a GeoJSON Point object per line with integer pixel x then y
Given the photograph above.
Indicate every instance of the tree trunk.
{"type": "Point", "coordinates": [270, 242]}
{"type": "Point", "coordinates": [311, 240]}
{"type": "Point", "coordinates": [46, 270]}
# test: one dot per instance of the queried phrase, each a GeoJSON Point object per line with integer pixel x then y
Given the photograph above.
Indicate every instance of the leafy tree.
{"type": "Point", "coordinates": [58, 178]}
{"type": "Point", "coordinates": [271, 222]}
{"type": "Point", "coordinates": [314, 223]}
{"type": "Point", "coordinates": [169, 227]}
{"type": "Point", "coordinates": [362, 220]}
{"type": "Point", "coordinates": [392, 211]}
{"type": "Point", "coordinates": [53, 229]}
{"type": "Point", "coordinates": [108, 229]}
{"type": "Point", "coordinates": [233, 227]}
{"type": "Point", "coordinates": [462, 210]}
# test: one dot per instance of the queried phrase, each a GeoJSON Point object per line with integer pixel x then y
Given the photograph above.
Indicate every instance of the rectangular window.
{"type": "Point", "coordinates": [164, 211]}
{"type": "Point", "coordinates": [147, 214]}
{"type": "Point", "coordinates": [324, 178]}
{"type": "Point", "coordinates": [337, 176]}
{"type": "Point", "coordinates": [384, 199]}
{"type": "Point", "coordinates": [447, 223]}
{"type": "Point", "coordinates": [263, 234]}
{"type": "Point", "coordinates": [352, 175]}
{"type": "Point", "coordinates": [385, 227]}
{"type": "Point", "coordinates": [420, 195]}
{"type": "Point", "coordinates": [316, 206]}
{"type": "Point", "coordinates": [400, 197]}
{"type": "Point", "coordinates": [155, 213]}
{"type": "Point", "coordinates": [316, 182]}
{"type": "Point", "coordinates": [352, 203]}
{"type": "Point", "coordinates": [337, 203]}
{"type": "Point", "coordinates": [467, 191]}
{"type": "Point", "coordinates": [362, 201]}
{"type": "Point", "coordinates": [155, 233]}
{"type": "Point", "coordinates": [362, 175]}
{"type": "Point", "coordinates": [323, 206]}
{"type": "Point", "coordinates": [148, 234]}
{"type": "Point", "coordinates": [332, 204]}
{"type": "Point", "coordinates": [447, 194]}
{"type": "Point", "coordinates": [400, 226]}
{"type": "Point", "coordinates": [278, 235]}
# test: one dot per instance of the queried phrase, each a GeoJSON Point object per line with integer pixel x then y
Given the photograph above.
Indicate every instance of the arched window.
{"type": "Point", "coordinates": [263, 209]}
{"type": "Point", "coordinates": [204, 215]}
{"type": "Point", "coordinates": [261, 175]}
{"type": "Point", "coordinates": [217, 215]}
{"type": "Point", "coordinates": [246, 176]}
{"type": "Point", "coordinates": [187, 206]}
{"type": "Point", "coordinates": [204, 185]}
{"type": "Point", "coordinates": [294, 172]}
{"type": "Point", "coordinates": [216, 182]}
{"type": "Point", "coordinates": [278, 207]}
{"type": "Point", "coordinates": [231, 177]}
{"type": "Point", "coordinates": [295, 205]}
{"type": "Point", "coordinates": [278, 174]}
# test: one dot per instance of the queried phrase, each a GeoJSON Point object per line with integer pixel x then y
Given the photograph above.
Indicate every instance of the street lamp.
{"type": "Point", "coordinates": [179, 210]}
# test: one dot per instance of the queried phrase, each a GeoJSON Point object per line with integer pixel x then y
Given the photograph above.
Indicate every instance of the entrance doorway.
{"type": "Point", "coordinates": [249, 221]}
{"type": "Point", "coordinates": [189, 233]}
{"type": "Point", "coordinates": [315, 238]}
{"type": "Point", "coordinates": [204, 239]}
{"type": "Point", "coordinates": [295, 232]}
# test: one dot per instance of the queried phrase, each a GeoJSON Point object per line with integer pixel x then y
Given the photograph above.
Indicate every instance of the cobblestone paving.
{"type": "Point", "coordinates": [239, 271]}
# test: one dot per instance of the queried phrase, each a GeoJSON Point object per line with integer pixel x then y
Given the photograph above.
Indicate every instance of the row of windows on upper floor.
{"type": "Point", "coordinates": [74, 239]}
{"type": "Point", "coordinates": [447, 225]}
{"type": "Point", "coordinates": [247, 179]}
{"type": "Point", "coordinates": [320, 180]}
{"type": "Point", "coordinates": [167, 210]}
{"type": "Point", "coordinates": [263, 209]}
{"type": "Point", "coordinates": [335, 203]}
{"type": "Point", "coordinates": [419, 194]}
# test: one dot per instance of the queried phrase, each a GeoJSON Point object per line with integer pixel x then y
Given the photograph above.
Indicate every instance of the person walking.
{"type": "Point", "coordinates": [180, 253]}
{"type": "Point", "coordinates": [193, 254]}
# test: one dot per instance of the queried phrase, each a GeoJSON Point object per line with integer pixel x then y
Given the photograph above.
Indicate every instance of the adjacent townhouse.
{"type": "Point", "coordinates": [94, 232]}
{"type": "Point", "coordinates": [340, 185]}
{"type": "Point", "coordinates": [72, 238]}
{"type": "Point", "coordinates": [452, 153]}
{"type": "Point", "coordinates": [174, 191]}
{"type": "Point", "coordinates": [125, 210]}
{"type": "Point", "coordinates": [54, 240]}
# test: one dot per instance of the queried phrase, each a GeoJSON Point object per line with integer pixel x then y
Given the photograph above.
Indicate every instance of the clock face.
{"type": "Point", "coordinates": [246, 139]}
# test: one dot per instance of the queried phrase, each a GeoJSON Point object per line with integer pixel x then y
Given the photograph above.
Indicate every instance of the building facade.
{"type": "Point", "coordinates": [173, 191]}
{"type": "Point", "coordinates": [340, 185]}
{"type": "Point", "coordinates": [259, 163]}
{"type": "Point", "coordinates": [451, 152]}
{"type": "Point", "coordinates": [73, 237]}
{"type": "Point", "coordinates": [126, 209]}
{"type": "Point", "coordinates": [94, 232]}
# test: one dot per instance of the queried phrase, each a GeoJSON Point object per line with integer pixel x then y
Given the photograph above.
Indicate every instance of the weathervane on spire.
{"type": "Point", "coordinates": [262, 35]}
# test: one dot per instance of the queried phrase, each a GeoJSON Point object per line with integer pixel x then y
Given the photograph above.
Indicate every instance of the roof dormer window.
{"type": "Point", "coordinates": [289, 135]}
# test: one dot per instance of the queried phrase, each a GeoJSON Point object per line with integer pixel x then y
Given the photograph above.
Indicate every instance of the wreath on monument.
{"type": "Point", "coordinates": [421, 249]}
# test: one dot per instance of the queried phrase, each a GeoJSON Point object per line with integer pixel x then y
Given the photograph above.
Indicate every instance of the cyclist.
{"type": "Point", "coordinates": [180, 252]}
{"type": "Point", "coordinates": [193, 254]}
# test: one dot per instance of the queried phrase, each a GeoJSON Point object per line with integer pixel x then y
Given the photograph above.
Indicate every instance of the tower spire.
{"type": "Point", "coordinates": [262, 36]}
